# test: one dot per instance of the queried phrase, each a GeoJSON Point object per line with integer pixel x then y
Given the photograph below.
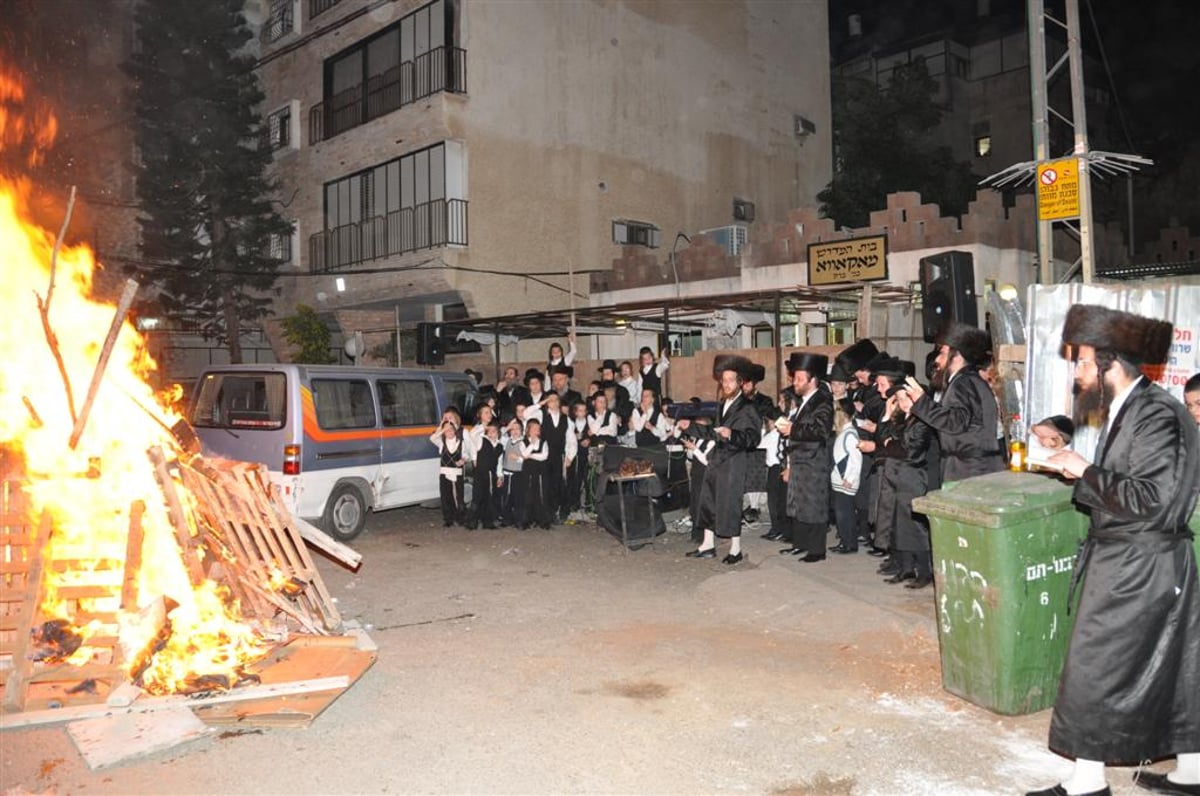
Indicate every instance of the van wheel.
{"type": "Point", "coordinates": [346, 513]}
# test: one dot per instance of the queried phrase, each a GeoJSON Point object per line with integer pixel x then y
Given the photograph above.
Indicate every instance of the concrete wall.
{"type": "Point", "coordinates": [577, 114]}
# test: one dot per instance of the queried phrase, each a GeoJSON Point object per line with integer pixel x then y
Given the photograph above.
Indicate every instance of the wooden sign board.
{"type": "Point", "coordinates": [852, 260]}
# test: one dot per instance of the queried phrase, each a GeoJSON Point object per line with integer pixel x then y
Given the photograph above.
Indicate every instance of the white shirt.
{"type": "Point", "coordinates": [1118, 401]}
{"type": "Point", "coordinates": [571, 444]}
{"type": "Point", "coordinates": [601, 429]}
{"type": "Point", "coordinates": [770, 443]}
{"type": "Point", "coordinates": [638, 421]}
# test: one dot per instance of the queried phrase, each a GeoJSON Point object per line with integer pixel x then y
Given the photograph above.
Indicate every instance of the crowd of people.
{"type": "Point", "coordinates": [852, 445]}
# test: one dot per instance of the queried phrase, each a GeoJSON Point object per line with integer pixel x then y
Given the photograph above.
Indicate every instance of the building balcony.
{"type": "Point", "coordinates": [440, 69]}
{"type": "Point", "coordinates": [438, 223]}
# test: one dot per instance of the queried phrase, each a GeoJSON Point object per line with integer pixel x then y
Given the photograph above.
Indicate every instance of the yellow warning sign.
{"type": "Point", "coordinates": [1058, 189]}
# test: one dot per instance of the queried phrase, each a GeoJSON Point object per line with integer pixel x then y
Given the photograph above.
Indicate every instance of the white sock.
{"type": "Point", "coordinates": [1087, 777]}
{"type": "Point", "coordinates": [1187, 769]}
{"type": "Point", "coordinates": [735, 545]}
{"type": "Point", "coordinates": [710, 541]}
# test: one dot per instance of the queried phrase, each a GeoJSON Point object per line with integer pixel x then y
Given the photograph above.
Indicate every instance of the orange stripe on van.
{"type": "Point", "coordinates": [313, 430]}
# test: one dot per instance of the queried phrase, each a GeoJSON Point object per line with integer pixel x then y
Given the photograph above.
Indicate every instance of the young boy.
{"type": "Point", "coordinates": [449, 441]}
{"type": "Point", "coordinates": [487, 476]}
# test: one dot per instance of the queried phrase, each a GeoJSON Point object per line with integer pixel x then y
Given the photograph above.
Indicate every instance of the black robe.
{"type": "Point", "coordinates": [1130, 688]}
{"type": "Point", "coordinates": [904, 445]}
{"type": "Point", "coordinates": [965, 421]}
{"type": "Point", "coordinates": [725, 475]}
{"type": "Point", "coordinates": [810, 460]}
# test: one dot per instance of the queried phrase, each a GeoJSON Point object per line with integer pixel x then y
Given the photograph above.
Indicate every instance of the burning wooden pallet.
{"type": "Point", "coordinates": [230, 527]}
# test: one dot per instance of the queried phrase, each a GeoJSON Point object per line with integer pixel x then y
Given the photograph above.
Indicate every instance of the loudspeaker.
{"type": "Point", "coordinates": [429, 344]}
{"type": "Point", "coordinates": [948, 288]}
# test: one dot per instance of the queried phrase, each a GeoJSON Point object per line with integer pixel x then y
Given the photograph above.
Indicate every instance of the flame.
{"type": "Point", "coordinates": [32, 129]}
{"type": "Point", "coordinates": [89, 492]}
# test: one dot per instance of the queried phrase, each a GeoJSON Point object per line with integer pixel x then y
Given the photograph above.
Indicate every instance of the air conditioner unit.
{"type": "Point", "coordinates": [636, 233]}
{"type": "Point", "coordinates": [732, 237]}
{"type": "Point", "coordinates": [804, 127]}
{"type": "Point", "coordinates": [743, 210]}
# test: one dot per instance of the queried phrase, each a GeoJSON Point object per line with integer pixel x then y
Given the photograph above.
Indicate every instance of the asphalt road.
{"type": "Point", "coordinates": [555, 662]}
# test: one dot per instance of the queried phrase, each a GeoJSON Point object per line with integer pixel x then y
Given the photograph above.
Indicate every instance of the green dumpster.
{"type": "Point", "coordinates": [1004, 550]}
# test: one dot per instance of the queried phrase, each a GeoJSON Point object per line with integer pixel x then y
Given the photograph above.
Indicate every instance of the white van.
{"type": "Point", "coordinates": [339, 441]}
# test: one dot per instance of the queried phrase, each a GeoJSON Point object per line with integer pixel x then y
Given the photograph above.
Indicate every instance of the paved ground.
{"type": "Point", "coordinates": [553, 662]}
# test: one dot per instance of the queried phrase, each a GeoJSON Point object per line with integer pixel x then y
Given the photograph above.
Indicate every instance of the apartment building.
{"type": "Point", "coordinates": [468, 156]}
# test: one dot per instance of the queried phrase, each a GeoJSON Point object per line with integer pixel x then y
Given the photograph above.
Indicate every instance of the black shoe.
{"type": "Point", "coordinates": [792, 551]}
{"type": "Point", "coordinates": [842, 549]}
{"type": "Point", "coordinates": [1059, 790]}
{"type": "Point", "coordinates": [732, 559]}
{"type": "Point", "coordinates": [919, 582]}
{"type": "Point", "coordinates": [877, 551]}
{"type": "Point", "coordinates": [709, 553]}
{"type": "Point", "coordinates": [1160, 784]}
{"type": "Point", "coordinates": [813, 557]}
{"type": "Point", "coordinates": [773, 536]}
{"type": "Point", "coordinates": [900, 577]}
{"type": "Point", "coordinates": [888, 569]}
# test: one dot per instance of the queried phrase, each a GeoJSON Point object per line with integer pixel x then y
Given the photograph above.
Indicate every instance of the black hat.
{"type": "Point", "coordinates": [891, 366]}
{"type": "Point", "coordinates": [474, 374]}
{"type": "Point", "coordinates": [877, 359]}
{"type": "Point", "coordinates": [561, 368]}
{"type": "Point", "coordinates": [815, 364]}
{"type": "Point", "coordinates": [735, 362]}
{"type": "Point", "coordinates": [839, 373]}
{"type": "Point", "coordinates": [975, 345]}
{"type": "Point", "coordinates": [534, 373]}
{"type": "Point", "coordinates": [1060, 423]}
{"type": "Point", "coordinates": [757, 373]}
{"type": "Point", "coordinates": [1134, 338]}
{"type": "Point", "coordinates": [857, 356]}
{"type": "Point", "coordinates": [608, 364]}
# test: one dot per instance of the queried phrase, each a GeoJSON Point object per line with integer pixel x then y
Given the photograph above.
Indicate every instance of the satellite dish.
{"type": "Point", "coordinates": [354, 346]}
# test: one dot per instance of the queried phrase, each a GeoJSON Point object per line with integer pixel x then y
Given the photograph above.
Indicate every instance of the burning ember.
{"type": "Point", "coordinates": [104, 599]}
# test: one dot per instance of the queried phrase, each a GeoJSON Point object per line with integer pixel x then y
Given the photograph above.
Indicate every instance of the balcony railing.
{"type": "Point", "coordinates": [440, 69]}
{"type": "Point", "coordinates": [280, 23]}
{"type": "Point", "coordinates": [316, 7]}
{"type": "Point", "coordinates": [439, 223]}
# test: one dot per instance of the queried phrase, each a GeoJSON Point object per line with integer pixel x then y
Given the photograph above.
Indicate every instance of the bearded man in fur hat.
{"type": "Point", "coordinates": [966, 418]}
{"type": "Point", "coordinates": [736, 430]}
{"type": "Point", "coordinates": [809, 434]}
{"type": "Point", "coordinates": [1130, 688]}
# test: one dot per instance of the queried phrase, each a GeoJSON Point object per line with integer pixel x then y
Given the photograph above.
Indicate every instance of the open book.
{"type": "Point", "coordinates": [1038, 455]}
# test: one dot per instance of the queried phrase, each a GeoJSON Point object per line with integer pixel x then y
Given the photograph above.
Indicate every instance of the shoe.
{"type": "Point", "coordinates": [1059, 790]}
{"type": "Point", "coordinates": [888, 569]}
{"type": "Point", "coordinates": [842, 549]}
{"type": "Point", "coordinates": [877, 551]}
{"type": "Point", "coordinates": [919, 582]}
{"type": "Point", "coordinates": [732, 559]}
{"type": "Point", "coordinates": [773, 536]}
{"type": "Point", "coordinates": [697, 553]}
{"type": "Point", "coordinates": [900, 577]}
{"type": "Point", "coordinates": [813, 558]}
{"type": "Point", "coordinates": [1160, 784]}
{"type": "Point", "coordinates": [792, 551]}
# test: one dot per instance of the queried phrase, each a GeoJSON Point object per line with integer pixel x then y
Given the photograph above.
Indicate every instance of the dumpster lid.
{"type": "Point", "coordinates": [998, 499]}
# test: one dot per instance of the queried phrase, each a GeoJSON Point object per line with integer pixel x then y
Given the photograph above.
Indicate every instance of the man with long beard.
{"type": "Point", "coordinates": [1130, 688]}
{"type": "Point", "coordinates": [809, 461]}
{"type": "Point", "coordinates": [965, 418]}
{"type": "Point", "coordinates": [736, 431]}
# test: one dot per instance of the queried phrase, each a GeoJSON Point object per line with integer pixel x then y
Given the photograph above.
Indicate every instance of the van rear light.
{"type": "Point", "coordinates": [291, 460]}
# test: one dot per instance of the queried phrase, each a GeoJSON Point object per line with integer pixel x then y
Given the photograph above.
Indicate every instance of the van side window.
{"type": "Point", "coordinates": [462, 394]}
{"type": "Point", "coordinates": [407, 403]}
{"type": "Point", "coordinates": [241, 400]}
{"type": "Point", "coordinates": [343, 403]}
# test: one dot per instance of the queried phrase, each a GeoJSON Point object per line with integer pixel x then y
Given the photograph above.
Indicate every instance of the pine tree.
{"type": "Point", "coordinates": [207, 218]}
{"type": "Point", "coordinates": [882, 144]}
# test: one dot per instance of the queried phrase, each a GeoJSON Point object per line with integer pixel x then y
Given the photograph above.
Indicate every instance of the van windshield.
{"type": "Point", "coordinates": [241, 400]}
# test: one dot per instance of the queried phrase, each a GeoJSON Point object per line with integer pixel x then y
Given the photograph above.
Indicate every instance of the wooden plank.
{"type": "Point", "coordinates": [152, 704]}
{"type": "Point", "coordinates": [324, 542]}
{"type": "Point", "coordinates": [112, 740]}
{"type": "Point", "coordinates": [133, 556]}
{"type": "Point", "coordinates": [15, 684]}
{"type": "Point", "coordinates": [178, 517]}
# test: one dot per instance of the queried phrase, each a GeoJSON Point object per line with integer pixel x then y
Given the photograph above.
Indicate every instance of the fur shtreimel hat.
{"type": "Point", "coordinates": [857, 356]}
{"type": "Point", "coordinates": [975, 345]}
{"type": "Point", "coordinates": [757, 373]}
{"type": "Point", "coordinates": [1135, 338]}
{"type": "Point", "coordinates": [814, 364]}
{"type": "Point", "coordinates": [736, 363]}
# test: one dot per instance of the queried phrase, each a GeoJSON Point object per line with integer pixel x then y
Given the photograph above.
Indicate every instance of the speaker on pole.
{"type": "Point", "coordinates": [948, 291]}
{"type": "Point", "coordinates": [429, 344]}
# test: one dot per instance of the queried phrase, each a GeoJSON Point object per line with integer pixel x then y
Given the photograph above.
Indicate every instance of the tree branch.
{"type": "Point", "coordinates": [44, 308]}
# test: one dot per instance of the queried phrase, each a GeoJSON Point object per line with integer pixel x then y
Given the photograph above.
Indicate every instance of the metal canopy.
{"type": "Point", "coordinates": [686, 312]}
